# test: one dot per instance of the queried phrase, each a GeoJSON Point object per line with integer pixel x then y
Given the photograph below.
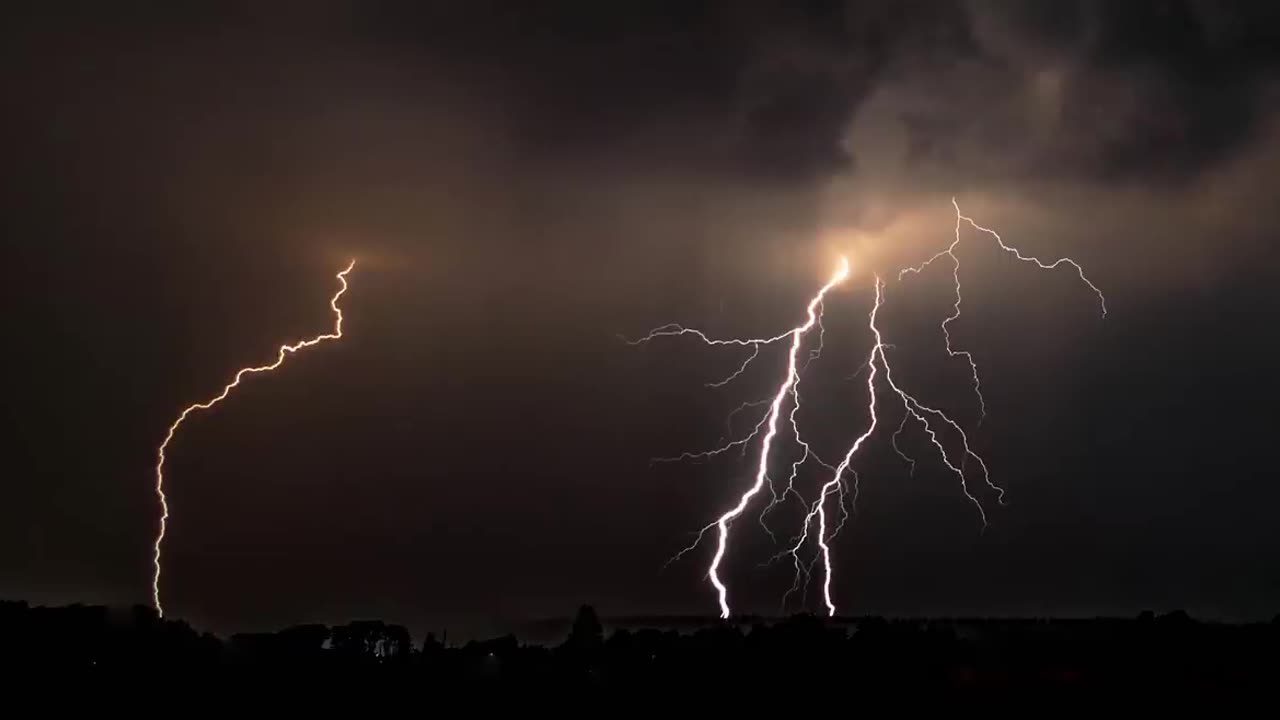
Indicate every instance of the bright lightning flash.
{"type": "Point", "coordinates": [770, 421]}
{"type": "Point", "coordinates": [931, 419]}
{"type": "Point", "coordinates": [284, 352]}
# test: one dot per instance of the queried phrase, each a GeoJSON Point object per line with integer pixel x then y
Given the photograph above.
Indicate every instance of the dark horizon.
{"type": "Point", "coordinates": [553, 630]}
{"type": "Point", "coordinates": [1163, 656]}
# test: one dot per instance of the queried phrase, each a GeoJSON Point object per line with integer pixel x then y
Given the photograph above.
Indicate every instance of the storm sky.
{"type": "Point", "coordinates": [521, 183]}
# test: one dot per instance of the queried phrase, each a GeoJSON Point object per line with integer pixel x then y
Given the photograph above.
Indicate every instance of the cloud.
{"type": "Point", "coordinates": [1147, 120]}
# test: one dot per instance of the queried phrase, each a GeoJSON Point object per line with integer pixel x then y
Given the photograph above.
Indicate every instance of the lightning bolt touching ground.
{"type": "Point", "coordinates": [281, 354]}
{"type": "Point", "coordinates": [943, 432]}
{"type": "Point", "coordinates": [797, 336]}
{"type": "Point", "coordinates": [769, 422]}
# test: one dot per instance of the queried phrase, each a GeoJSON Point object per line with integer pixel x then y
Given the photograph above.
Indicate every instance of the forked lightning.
{"type": "Point", "coordinates": [930, 419]}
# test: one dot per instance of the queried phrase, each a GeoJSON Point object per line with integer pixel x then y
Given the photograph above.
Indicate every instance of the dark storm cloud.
{"type": "Point", "coordinates": [1152, 89]}
{"type": "Point", "coordinates": [764, 88]}
{"type": "Point", "coordinates": [1113, 91]}
{"type": "Point", "coordinates": [1159, 116]}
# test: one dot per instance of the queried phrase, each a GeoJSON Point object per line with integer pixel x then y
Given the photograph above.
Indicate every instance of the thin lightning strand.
{"type": "Point", "coordinates": [920, 412]}
{"type": "Point", "coordinates": [797, 335]}
{"type": "Point", "coordinates": [755, 352]}
{"type": "Point", "coordinates": [1102, 300]}
{"type": "Point", "coordinates": [955, 312]}
{"type": "Point", "coordinates": [674, 330]}
{"type": "Point", "coordinates": [905, 458]}
{"type": "Point", "coordinates": [955, 274]}
{"type": "Point", "coordinates": [281, 354]}
{"type": "Point", "coordinates": [728, 422]}
{"type": "Point", "coordinates": [704, 454]}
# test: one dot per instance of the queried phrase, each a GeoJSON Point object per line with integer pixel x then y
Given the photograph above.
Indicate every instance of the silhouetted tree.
{"type": "Point", "coordinates": [587, 634]}
{"type": "Point", "coordinates": [432, 645]}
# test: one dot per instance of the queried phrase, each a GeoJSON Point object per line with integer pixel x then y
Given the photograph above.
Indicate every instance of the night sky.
{"type": "Point", "coordinates": [521, 183]}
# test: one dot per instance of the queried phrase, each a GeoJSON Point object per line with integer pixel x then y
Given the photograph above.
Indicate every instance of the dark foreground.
{"type": "Point", "coordinates": [961, 655]}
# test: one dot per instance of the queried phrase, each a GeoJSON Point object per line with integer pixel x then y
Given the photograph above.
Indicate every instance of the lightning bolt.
{"type": "Point", "coordinates": [775, 408]}
{"type": "Point", "coordinates": [905, 458]}
{"type": "Point", "coordinates": [284, 352]}
{"type": "Point", "coordinates": [769, 422]}
{"type": "Point", "coordinates": [943, 432]}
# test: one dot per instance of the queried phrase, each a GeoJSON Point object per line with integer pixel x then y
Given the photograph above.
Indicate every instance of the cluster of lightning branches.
{"type": "Point", "coordinates": [954, 451]}
{"type": "Point", "coordinates": [284, 352]}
